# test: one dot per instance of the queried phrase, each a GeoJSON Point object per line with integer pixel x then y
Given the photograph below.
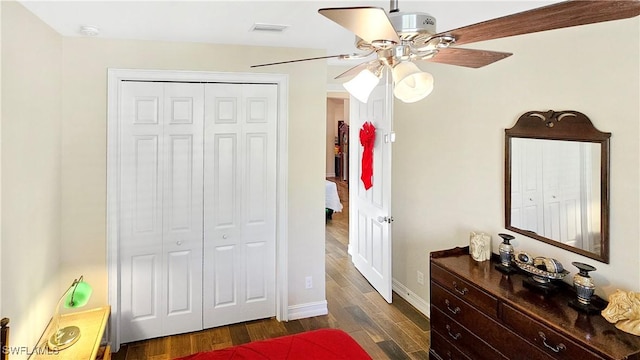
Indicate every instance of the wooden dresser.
{"type": "Point", "coordinates": [479, 313]}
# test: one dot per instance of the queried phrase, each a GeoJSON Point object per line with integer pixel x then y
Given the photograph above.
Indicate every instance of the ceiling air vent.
{"type": "Point", "coordinates": [268, 27]}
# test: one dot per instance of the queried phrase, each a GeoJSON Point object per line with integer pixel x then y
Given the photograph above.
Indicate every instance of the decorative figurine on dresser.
{"type": "Point", "coordinates": [478, 312]}
{"type": "Point", "coordinates": [480, 246]}
{"type": "Point", "coordinates": [624, 311]}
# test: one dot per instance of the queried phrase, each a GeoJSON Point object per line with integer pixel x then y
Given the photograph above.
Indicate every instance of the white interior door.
{"type": "Point", "coordinates": [527, 205]}
{"type": "Point", "coordinates": [240, 203]}
{"type": "Point", "coordinates": [161, 209]}
{"type": "Point", "coordinates": [370, 210]}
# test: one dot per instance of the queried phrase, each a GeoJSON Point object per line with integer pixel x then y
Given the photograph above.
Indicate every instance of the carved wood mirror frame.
{"type": "Point", "coordinates": [570, 126]}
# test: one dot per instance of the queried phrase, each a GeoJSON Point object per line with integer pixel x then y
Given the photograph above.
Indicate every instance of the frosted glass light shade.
{"type": "Point", "coordinates": [411, 84]}
{"type": "Point", "coordinates": [362, 85]}
{"type": "Point", "coordinates": [78, 296]}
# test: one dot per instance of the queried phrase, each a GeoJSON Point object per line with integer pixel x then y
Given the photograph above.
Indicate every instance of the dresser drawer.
{"type": "Point", "coordinates": [461, 338]}
{"type": "Point", "coordinates": [444, 350]}
{"type": "Point", "coordinates": [502, 339]}
{"type": "Point", "coordinates": [463, 289]}
{"type": "Point", "coordinates": [547, 339]}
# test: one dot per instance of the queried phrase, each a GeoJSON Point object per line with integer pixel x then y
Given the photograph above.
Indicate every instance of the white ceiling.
{"type": "Point", "coordinates": [228, 22]}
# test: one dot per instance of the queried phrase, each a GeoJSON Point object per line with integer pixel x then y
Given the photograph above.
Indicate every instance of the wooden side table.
{"type": "Point", "coordinates": [92, 324]}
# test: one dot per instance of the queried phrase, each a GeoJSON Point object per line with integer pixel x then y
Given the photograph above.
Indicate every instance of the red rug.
{"type": "Point", "coordinates": [321, 344]}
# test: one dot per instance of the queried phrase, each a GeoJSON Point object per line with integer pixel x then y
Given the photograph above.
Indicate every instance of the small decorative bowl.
{"type": "Point", "coordinates": [539, 270]}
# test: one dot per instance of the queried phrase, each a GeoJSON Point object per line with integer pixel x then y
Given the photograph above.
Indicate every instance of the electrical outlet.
{"type": "Point", "coordinates": [420, 277]}
{"type": "Point", "coordinates": [308, 282]}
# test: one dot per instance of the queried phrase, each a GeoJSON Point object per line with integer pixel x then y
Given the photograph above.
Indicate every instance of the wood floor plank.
{"type": "Point", "coordinates": [257, 331]}
{"type": "Point", "coordinates": [374, 331]}
{"type": "Point", "coordinates": [385, 331]}
{"type": "Point", "coordinates": [410, 312]}
{"type": "Point", "coordinates": [179, 345]}
{"type": "Point", "coordinates": [392, 350]}
{"type": "Point", "coordinates": [396, 333]}
{"type": "Point", "coordinates": [239, 334]}
{"type": "Point", "coordinates": [363, 339]}
{"type": "Point", "coordinates": [415, 333]}
{"type": "Point", "coordinates": [137, 351]}
{"type": "Point", "coordinates": [294, 327]}
{"type": "Point", "coordinates": [419, 355]}
{"type": "Point", "coordinates": [202, 341]}
{"type": "Point", "coordinates": [275, 328]}
{"type": "Point", "coordinates": [220, 337]}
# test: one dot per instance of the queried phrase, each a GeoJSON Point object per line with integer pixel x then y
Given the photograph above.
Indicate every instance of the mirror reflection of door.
{"type": "Point", "coordinates": [555, 190]}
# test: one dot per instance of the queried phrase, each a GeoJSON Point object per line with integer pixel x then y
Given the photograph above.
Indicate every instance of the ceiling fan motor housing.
{"type": "Point", "coordinates": [410, 25]}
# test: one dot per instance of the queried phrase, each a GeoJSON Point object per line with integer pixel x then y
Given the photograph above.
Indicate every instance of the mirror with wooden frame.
{"type": "Point", "coordinates": [557, 181]}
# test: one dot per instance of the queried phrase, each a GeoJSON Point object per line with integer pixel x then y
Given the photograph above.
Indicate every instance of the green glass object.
{"type": "Point", "coordinates": [78, 295]}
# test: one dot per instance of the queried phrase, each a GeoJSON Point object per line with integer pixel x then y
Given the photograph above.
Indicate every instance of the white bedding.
{"type": "Point", "coordinates": [332, 200]}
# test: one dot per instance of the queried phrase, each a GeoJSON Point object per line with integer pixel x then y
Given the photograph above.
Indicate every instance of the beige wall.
{"type": "Point", "coordinates": [85, 64]}
{"type": "Point", "coordinates": [54, 97]}
{"type": "Point", "coordinates": [448, 158]}
{"type": "Point", "coordinates": [31, 116]}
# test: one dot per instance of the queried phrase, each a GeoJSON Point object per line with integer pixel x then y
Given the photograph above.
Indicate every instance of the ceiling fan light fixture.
{"type": "Point", "coordinates": [361, 86]}
{"type": "Point", "coordinates": [410, 83]}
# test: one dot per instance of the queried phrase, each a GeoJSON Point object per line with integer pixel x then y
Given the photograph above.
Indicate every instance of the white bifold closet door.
{"type": "Point", "coordinates": [240, 203]}
{"type": "Point", "coordinates": [161, 208]}
{"type": "Point", "coordinates": [197, 206]}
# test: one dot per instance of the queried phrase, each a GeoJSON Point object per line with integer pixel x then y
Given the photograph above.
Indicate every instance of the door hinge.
{"type": "Point", "coordinates": [390, 137]}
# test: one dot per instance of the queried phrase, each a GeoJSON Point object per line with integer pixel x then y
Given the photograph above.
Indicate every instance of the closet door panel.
{"type": "Point", "coordinates": [223, 177]}
{"type": "Point", "coordinates": [145, 282]}
{"type": "Point", "coordinates": [141, 199]}
{"type": "Point", "coordinates": [239, 207]}
{"type": "Point", "coordinates": [225, 271]}
{"type": "Point", "coordinates": [161, 209]}
{"type": "Point", "coordinates": [183, 206]}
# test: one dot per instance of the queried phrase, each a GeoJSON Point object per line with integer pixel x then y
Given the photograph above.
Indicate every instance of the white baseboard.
{"type": "Point", "coordinates": [412, 298]}
{"type": "Point", "coordinates": [307, 310]}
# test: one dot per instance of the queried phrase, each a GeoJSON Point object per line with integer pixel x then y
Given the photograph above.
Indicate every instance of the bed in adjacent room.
{"type": "Point", "coordinates": [332, 199]}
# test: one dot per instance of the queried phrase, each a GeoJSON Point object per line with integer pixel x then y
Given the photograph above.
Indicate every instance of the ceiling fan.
{"type": "Point", "coordinates": [399, 39]}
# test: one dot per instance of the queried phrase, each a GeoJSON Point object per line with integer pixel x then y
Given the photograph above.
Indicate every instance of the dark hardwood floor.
{"type": "Point", "coordinates": [385, 331]}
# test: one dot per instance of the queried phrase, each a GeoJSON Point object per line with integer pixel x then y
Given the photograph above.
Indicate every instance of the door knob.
{"type": "Point", "coordinates": [178, 242]}
{"type": "Point", "coordinates": [387, 219]}
{"type": "Point", "coordinates": [224, 236]}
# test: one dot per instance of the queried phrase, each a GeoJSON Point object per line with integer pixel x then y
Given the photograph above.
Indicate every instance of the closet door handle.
{"type": "Point", "coordinates": [179, 242]}
{"type": "Point", "coordinates": [225, 236]}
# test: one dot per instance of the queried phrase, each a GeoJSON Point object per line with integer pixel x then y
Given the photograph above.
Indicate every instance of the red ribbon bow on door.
{"type": "Point", "coordinates": [367, 139]}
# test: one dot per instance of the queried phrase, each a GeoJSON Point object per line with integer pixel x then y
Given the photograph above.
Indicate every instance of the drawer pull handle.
{"type": "Point", "coordinates": [462, 292]}
{"type": "Point", "coordinates": [455, 336]}
{"type": "Point", "coordinates": [555, 349]}
{"type": "Point", "coordinates": [455, 310]}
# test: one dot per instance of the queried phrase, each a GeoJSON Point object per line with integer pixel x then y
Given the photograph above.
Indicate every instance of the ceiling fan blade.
{"type": "Point", "coordinates": [467, 57]}
{"type": "Point", "coordinates": [556, 16]}
{"type": "Point", "coordinates": [342, 56]}
{"type": "Point", "coordinates": [357, 69]}
{"type": "Point", "coordinates": [369, 23]}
